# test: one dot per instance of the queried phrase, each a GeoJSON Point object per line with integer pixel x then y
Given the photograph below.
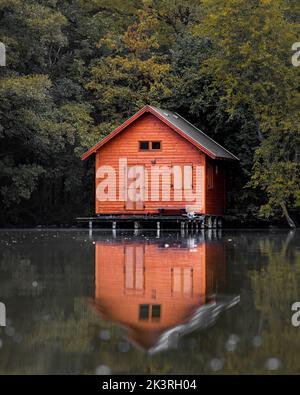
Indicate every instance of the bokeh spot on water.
{"type": "Point", "coordinates": [216, 364]}
{"type": "Point", "coordinates": [273, 364]}
{"type": "Point", "coordinates": [102, 370]}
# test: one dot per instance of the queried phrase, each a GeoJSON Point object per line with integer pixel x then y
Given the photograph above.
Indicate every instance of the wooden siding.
{"type": "Point", "coordinates": [215, 195]}
{"type": "Point", "coordinates": [175, 150]}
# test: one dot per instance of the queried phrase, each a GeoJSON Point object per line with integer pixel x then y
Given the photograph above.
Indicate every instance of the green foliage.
{"type": "Point", "coordinates": [45, 121]}
{"type": "Point", "coordinates": [251, 65]}
{"type": "Point", "coordinates": [277, 172]}
{"type": "Point", "coordinates": [76, 69]}
{"type": "Point", "coordinates": [133, 72]}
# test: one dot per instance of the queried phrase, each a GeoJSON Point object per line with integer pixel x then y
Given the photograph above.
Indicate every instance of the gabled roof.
{"type": "Point", "coordinates": [178, 124]}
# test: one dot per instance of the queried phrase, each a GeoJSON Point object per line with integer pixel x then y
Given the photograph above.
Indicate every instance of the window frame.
{"type": "Point", "coordinates": [157, 308]}
{"type": "Point", "coordinates": [144, 308]}
{"type": "Point", "coordinates": [156, 149]}
{"type": "Point", "coordinates": [150, 145]}
{"type": "Point", "coordinates": [144, 149]}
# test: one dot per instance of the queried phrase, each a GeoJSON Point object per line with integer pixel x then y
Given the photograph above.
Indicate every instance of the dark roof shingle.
{"type": "Point", "coordinates": [196, 134]}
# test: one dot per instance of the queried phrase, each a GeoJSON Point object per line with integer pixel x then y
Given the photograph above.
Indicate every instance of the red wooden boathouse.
{"type": "Point", "coordinates": [157, 142]}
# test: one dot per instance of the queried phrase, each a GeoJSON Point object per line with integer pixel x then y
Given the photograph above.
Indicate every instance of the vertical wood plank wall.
{"type": "Point", "coordinates": [215, 196]}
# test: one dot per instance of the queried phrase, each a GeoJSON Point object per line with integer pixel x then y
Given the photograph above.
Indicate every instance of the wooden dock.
{"type": "Point", "coordinates": [183, 222]}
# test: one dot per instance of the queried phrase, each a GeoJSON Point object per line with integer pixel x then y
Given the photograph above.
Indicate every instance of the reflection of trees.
{"type": "Point", "coordinates": [275, 287]}
{"type": "Point", "coordinates": [60, 332]}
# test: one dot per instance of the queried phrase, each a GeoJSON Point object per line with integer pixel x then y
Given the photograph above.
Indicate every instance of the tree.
{"type": "Point", "coordinates": [44, 121]}
{"type": "Point", "coordinates": [76, 69]}
{"type": "Point", "coordinates": [131, 72]}
{"type": "Point", "coordinates": [251, 63]}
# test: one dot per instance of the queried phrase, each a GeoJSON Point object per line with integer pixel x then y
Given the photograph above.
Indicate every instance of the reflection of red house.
{"type": "Point", "coordinates": [149, 288]}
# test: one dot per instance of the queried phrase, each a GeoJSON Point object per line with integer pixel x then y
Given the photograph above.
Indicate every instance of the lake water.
{"type": "Point", "coordinates": [213, 302]}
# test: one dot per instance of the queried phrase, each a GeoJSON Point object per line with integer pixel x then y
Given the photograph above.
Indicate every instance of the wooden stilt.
{"type": "Point", "coordinates": [189, 224]}
{"type": "Point", "coordinates": [220, 222]}
{"type": "Point", "coordinates": [203, 223]}
{"type": "Point", "coordinates": [157, 229]}
{"type": "Point", "coordinates": [182, 228]}
{"type": "Point", "coordinates": [209, 222]}
{"type": "Point", "coordinates": [214, 222]}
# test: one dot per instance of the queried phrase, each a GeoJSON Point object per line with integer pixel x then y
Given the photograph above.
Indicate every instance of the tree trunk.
{"type": "Point", "coordinates": [287, 216]}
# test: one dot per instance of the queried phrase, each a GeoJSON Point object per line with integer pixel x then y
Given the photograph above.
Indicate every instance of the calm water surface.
{"type": "Point", "coordinates": [147, 303]}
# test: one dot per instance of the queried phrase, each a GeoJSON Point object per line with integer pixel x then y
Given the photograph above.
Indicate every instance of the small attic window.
{"type": "Point", "coordinates": [144, 145]}
{"type": "Point", "coordinates": [156, 145]}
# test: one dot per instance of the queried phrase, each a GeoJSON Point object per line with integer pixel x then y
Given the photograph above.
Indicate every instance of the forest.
{"type": "Point", "coordinates": [76, 69]}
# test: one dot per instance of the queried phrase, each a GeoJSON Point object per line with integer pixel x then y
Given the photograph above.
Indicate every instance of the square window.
{"type": "Point", "coordinates": [156, 145]}
{"type": "Point", "coordinates": [144, 312]}
{"type": "Point", "coordinates": [156, 311]}
{"type": "Point", "coordinates": [144, 145]}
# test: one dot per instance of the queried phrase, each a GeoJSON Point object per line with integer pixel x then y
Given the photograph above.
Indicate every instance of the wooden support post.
{"type": "Point", "coordinates": [182, 227]}
{"type": "Point", "coordinates": [90, 224]}
{"type": "Point", "coordinates": [209, 222]}
{"type": "Point", "coordinates": [203, 223]}
{"type": "Point", "coordinates": [215, 222]}
{"type": "Point", "coordinates": [157, 229]}
{"type": "Point", "coordinates": [220, 222]}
